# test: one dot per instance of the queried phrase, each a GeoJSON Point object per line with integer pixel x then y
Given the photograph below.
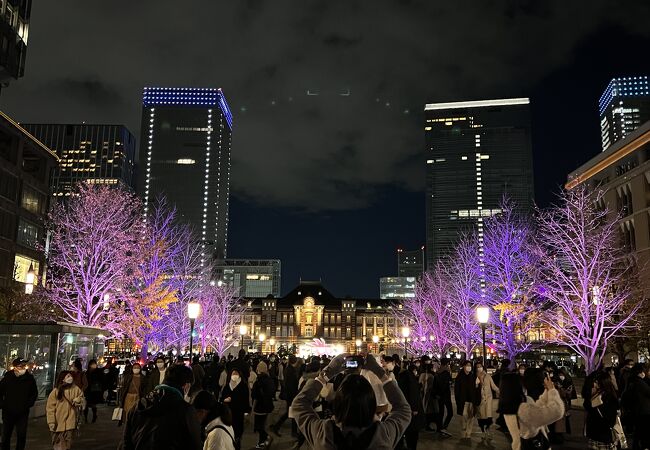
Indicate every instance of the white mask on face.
{"type": "Point", "coordinates": [160, 365]}
{"type": "Point", "coordinates": [68, 380]}
{"type": "Point", "coordinates": [235, 378]}
{"type": "Point", "coordinates": [20, 372]}
{"type": "Point", "coordinates": [562, 377]}
{"type": "Point", "coordinates": [136, 371]}
{"type": "Point", "coordinates": [390, 367]}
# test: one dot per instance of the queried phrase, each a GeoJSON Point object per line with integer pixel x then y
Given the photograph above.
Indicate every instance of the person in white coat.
{"type": "Point", "coordinates": [543, 405]}
{"type": "Point", "coordinates": [219, 432]}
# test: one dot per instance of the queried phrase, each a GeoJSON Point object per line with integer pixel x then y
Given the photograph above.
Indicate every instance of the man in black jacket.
{"type": "Point", "coordinates": [290, 391]}
{"type": "Point", "coordinates": [18, 393]}
{"type": "Point", "coordinates": [442, 390]}
{"type": "Point", "coordinates": [168, 421]}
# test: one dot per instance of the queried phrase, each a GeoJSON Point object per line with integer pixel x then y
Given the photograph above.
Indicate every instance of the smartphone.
{"type": "Point", "coordinates": [351, 364]}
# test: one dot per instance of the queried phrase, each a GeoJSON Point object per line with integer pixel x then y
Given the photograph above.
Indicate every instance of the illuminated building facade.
{"type": "Point", "coordinates": [100, 154]}
{"type": "Point", "coordinates": [477, 151]}
{"type": "Point", "coordinates": [396, 288]}
{"type": "Point", "coordinates": [623, 107]}
{"type": "Point", "coordinates": [14, 31]}
{"type": "Point", "coordinates": [185, 146]}
{"type": "Point", "coordinates": [310, 312]}
{"type": "Point", "coordinates": [26, 167]}
{"type": "Point", "coordinates": [255, 278]}
{"type": "Point", "coordinates": [623, 171]}
{"type": "Point", "coordinates": [410, 263]}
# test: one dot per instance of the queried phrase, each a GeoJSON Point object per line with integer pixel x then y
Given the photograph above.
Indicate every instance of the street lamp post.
{"type": "Point", "coordinates": [483, 316]}
{"type": "Point", "coordinates": [193, 310]}
{"type": "Point", "coordinates": [272, 344]}
{"type": "Point", "coordinates": [262, 339]}
{"type": "Point", "coordinates": [29, 279]}
{"type": "Point", "coordinates": [375, 339]}
{"type": "Point", "coordinates": [406, 332]}
{"type": "Point", "coordinates": [242, 331]}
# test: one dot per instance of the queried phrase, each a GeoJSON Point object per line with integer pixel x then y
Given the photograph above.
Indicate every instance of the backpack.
{"type": "Point", "coordinates": [350, 442]}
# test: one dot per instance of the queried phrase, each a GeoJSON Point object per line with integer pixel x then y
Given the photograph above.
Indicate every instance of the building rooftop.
{"type": "Point", "coordinates": [28, 135]}
{"type": "Point", "coordinates": [623, 87]}
{"type": "Point", "coordinates": [185, 96]}
{"type": "Point", "coordinates": [477, 103]}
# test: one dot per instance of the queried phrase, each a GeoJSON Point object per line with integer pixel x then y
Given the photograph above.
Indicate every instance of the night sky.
{"type": "Point", "coordinates": [333, 183]}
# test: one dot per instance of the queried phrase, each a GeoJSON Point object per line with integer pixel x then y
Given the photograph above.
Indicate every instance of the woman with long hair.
{"type": "Point", "coordinates": [485, 386]}
{"type": "Point", "coordinates": [132, 390]}
{"type": "Point", "coordinates": [602, 410]}
{"type": "Point", "coordinates": [63, 406]}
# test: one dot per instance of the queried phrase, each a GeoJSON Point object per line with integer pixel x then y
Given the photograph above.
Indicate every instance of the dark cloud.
{"type": "Point", "coordinates": [317, 153]}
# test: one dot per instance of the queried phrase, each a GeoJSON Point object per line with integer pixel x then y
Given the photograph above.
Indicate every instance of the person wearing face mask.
{"type": "Point", "coordinates": [94, 391]}
{"type": "Point", "coordinates": [466, 396]}
{"type": "Point", "coordinates": [61, 409]}
{"type": "Point", "coordinates": [79, 375]}
{"type": "Point", "coordinates": [157, 375]}
{"type": "Point", "coordinates": [165, 420]}
{"type": "Point", "coordinates": [486, 387]}
{"type": "Point", "coordinates": [235, 394]}
{"type": "Point", "coordinates": [636, 406]}
{"type": "Point", "coordinates": [132, 389]}
{"type": "Point", "coordinates": [18, 392]}
{"type": "Point", "coordinates": [262, 395]}
{"type": "Point", "coordinates": [602, 410]}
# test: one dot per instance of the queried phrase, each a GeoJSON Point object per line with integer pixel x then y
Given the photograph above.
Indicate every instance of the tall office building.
{"type": "Point", "coordinates": [397, 288]}
{"type": "Point", "coordinates": [477, 151]}
{"type": "Point", "coordinates": [185, 156]}
{"type": "Point", "coordinates": [101, 154]}
{"type": "Point", "coordinates": [623, 107]}
{"type": "Point", "coordinates": [255, 278]}
{"type": "Point", "coordinates": [410, 263]}
{"type": "Point", "coordinates": [14, 30]}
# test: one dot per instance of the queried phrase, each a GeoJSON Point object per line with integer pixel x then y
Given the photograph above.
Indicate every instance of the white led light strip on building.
{"type": "Point", "coordinates": [478, 103]}
{"type": "Point", "coordinates": [204, 225]}
{"type": "Point", "coordinates": [152, 114]}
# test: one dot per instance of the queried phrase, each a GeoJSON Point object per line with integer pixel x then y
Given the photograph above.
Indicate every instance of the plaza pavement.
{"type": "Point", "coordinates": [106, 435]}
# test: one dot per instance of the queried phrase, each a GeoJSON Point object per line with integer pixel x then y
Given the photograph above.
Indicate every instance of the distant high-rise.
{"type": "Point", "coordinates": [397, 288]}
{"type": "Point", "coordinates": [100, 154]}
{"type": "Point", "coordinates": [185, 156]}
{"type": "Point", "coordinates": [14, 30]}
{"type": "Point", "coordinates": [410, 263]}
{"type": "Point", "coordinates": [623, 107]}
{"type": "Point", "coordinates": [477, 151]}
{"type": "Point", "coordinates": [255, 278]}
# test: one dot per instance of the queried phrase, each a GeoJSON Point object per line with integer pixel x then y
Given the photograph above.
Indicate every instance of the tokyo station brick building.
{"type": "Point", "coordinates": [310, 312]}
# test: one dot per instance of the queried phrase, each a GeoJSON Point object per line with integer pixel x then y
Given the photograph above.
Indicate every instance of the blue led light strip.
{"type": "Point", "coordinates": [623, 87]}
{"type": "Point", "coordinates": [156, 96]}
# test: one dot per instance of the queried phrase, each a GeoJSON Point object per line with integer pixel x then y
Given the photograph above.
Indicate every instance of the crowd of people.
{"type": "Point", "coordinates": [349, 401]}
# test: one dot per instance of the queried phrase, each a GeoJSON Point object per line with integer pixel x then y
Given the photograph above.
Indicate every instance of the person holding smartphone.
{"type": "Point", "coordinates": [542, 407]}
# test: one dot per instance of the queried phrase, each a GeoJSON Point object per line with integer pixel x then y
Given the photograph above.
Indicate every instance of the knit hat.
{"type": "Point", "coordinates": [262, 367]}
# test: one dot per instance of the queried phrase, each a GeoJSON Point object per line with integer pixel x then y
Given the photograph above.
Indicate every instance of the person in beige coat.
{"type": "Point", "coordinates": [62, 409]}
{"type": "Point", "coordinates": [484, 411]}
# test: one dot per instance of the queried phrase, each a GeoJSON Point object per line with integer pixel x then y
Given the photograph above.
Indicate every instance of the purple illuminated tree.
{"type": "Point", "coordinates": [221, 314]}
{"type": "Point", "coordinates": [509, 267]}
{"type": "Point", "coordinates": [435, 291]}
{"type": "Point", "coordinates": [585, 270]}
{"type": "Point", "coordinates": [416, 313]}
{"type": "Point", "coordinates": [156, 276]}
{"type": "Point", "coordinates": [94, 232]}
{"type": "Point", "coordinates": [464, 287]}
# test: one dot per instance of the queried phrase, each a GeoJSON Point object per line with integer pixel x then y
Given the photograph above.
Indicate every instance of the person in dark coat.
{"type": "Point", "coordinates": [235, 394]}
{"type": "Point", "coordinates": [167, 421]}
{"type": "Point", "coordinates": [511, 395]}
{"type": "Point", "coordinates": [442, 390]}
{"type": "Point", "coordinates": [466, 394]}
{"type": "Point", "coordinates": [18, 393]}
{"type": "Point", "coordinates": [289, 392]}
{"type": "Point", "coordinates": [110, 375]}
{"type": "Point", "coordinates": [95, 391]}
{"type": "Point", "coordinates": [410, 386]}
{"type": "Point", "coordinates": [212, 375]}
{"type": "Point", "coordinates": [241, 364]}
{"type": "Point", "coordinates": [636, 406]}
{"type": "Point", "coordinates": [274, 371]}
{"type": "Point", "coordinates": [602, 409]}
{"type": "Point", "coordinates": [157, 375]}
{"type": "Point", "coordinates": [262, 395]}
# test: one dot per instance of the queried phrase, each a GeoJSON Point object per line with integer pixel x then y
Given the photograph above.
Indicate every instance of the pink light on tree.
{"type": "Point", "coordinates": [221, 314]}
{"type": "Point", "coordinates": [93, 235]}
{"type": "Point", "coordinates": [585, 270]}
{"type": "Point", "coordinates": [416, 313]}
{"type": "Point", "coordinates": [508, 268]}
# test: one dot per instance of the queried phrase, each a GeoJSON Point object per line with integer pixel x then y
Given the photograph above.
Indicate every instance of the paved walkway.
{"type": "Point", "coordinates": [105, 435]}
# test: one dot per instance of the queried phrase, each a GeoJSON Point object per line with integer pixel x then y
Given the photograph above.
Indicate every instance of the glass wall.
{"type": "Point", "coordinates": [37, 348]}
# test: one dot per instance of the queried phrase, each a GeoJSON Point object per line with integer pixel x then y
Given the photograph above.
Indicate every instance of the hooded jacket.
{"type": "Point", "coordinates": [167, 421]}
{"type": "Point", "coordinates": [17, 394]}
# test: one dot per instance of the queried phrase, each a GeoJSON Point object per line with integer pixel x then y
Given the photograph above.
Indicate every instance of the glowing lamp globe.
{"type": "Point", "coordinates": [483, 314]}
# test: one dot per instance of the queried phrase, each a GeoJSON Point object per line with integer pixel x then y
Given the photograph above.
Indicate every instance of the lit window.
{"type": "Point", "coordinates": [21, 267]}
{"type": "Point", "coordinates": [185, 161]}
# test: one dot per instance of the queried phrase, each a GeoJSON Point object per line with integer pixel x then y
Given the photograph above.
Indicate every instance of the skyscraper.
{"type": "Point", "coordinates": [255, 278]}
{"type": "Point", "coordinates": [185, 156]}
{"type": "Point", "coordinates": [101, 154]}
{"type": "Point", "coordinates": [477, 151]}
{"type": "Point", "coordinates": [623, 107]}
{"type": "Point", "coordinates": [410, 263]}
{"type": "Point", "coordinates": [14, 30]}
